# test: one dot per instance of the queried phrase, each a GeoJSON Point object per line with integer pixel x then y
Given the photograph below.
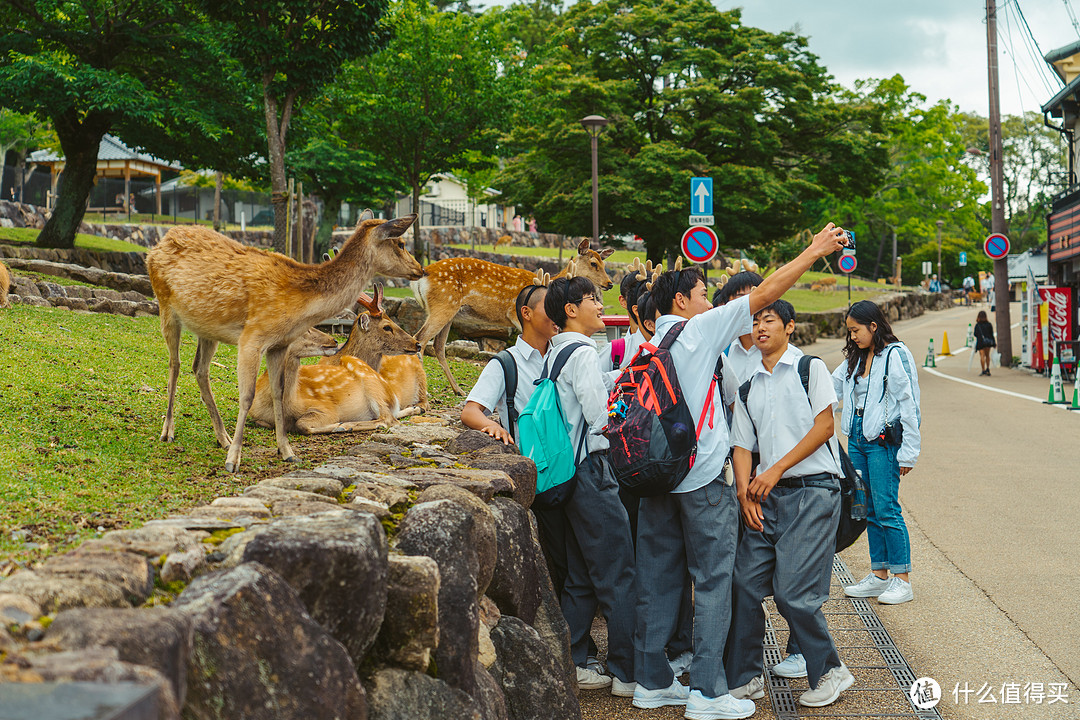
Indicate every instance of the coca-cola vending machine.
{"type": "Point", "coordinates": [1058, 320]}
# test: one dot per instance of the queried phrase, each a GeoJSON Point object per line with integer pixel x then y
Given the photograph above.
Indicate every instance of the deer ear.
{"type": "Point", "coordinates": [396, 227]}
{"type": "Point", "coordinates": [378, 295]}
{"type": "Point", "coordinates": [366, 215]}
{"type": "Point", "coordinates": [583, 246]}
{"type": "Point", "coordinates": [606, 252]}
{"type": "Point", "coordinates": [364, 321]}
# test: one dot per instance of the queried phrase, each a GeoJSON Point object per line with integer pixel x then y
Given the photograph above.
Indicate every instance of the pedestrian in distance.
{"type": "Point", "coordinates": [984, 340]}
{"type": "Point", "coordinates": [790, 511]}
{"type": "Point", "coordinates": [879, 389]}
{"type": "Point", "coordinates": [696, 524]}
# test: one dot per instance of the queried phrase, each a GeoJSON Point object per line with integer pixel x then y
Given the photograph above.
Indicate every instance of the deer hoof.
{"type": "Point", "coordinates": [292, 459]}
{"type": "Point", "coordinates": [231, 467]}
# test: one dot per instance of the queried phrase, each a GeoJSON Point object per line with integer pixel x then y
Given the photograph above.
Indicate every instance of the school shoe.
{"type": "Point", "coordinates": [674, 695]}
{"type": "Point", "coordinates": [793, 666]}
{"type": "Point", "coordinates": [753, 690]}
{"type": "Point", "coordinates": [869, 586]}
{"type": "Point", "coordinates": [593, 664]}
{"type": "Point", "coordinates": [681, 664]}
{"type": "Point", "coordinates": [899, 591]}
{"type": "Point", "coordinates": [829, 687]}
{"type": "Point", "coordinates": [725, 707]}
{"type": "Point", "coordinates": [622, 689]}
{"type": "Point", "coordinates": [591, 680]}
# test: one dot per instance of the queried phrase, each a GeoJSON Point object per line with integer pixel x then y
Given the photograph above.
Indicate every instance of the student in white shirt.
{"type": "Point", "coordinates": [790, 510]}
{"type": "Point", "coordinates": [600, 552]}
{"type": "Point", "coordinates": [696, 525]}
{"type": "Point", "coordinates": [741, 356]}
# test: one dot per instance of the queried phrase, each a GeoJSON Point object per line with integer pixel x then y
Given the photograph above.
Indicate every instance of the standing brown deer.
{"type": "Point", "coordinates": [260, 301]}
{"type": "Point", "coordinates": [5, 286]}
{"type": "Point", "coordinates": [489, 290]}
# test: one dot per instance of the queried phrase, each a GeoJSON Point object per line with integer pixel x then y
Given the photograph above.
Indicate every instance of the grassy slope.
{"type": "Point", "coordinates": [88, 242]}
{"type": "Point", "coordinates": [81, 403]}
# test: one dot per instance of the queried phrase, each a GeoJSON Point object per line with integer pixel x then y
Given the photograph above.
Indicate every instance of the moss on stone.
{"type": "Point", "coordinates": [219, 536]}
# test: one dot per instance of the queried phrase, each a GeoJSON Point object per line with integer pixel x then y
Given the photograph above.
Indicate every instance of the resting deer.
{"type": "Point", "coordinates": [261, 302]}
{"type": "Point", "coordinates": [382, 344]}
{"type": "Point", "coordinates": [5, 286]}
{"type": "Point", "coordinates": [489, 290]}
{"type": "Point", "coordinates": [347, 397]}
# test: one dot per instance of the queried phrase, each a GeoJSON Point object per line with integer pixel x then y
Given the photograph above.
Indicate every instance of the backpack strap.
{"type": "Point", "coordinates": [804, 373]}
{"type": "Point", "coordinates": [510, 376]}
{"type": "Point", "coordinates": [618, 352]}
{"type": "Point", "coordinates": [885, 380]}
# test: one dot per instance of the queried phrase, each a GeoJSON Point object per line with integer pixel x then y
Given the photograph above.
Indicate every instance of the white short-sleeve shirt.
{"type": "Point", "coordinates": [490, 389]}
{"type": "Point", "coordinates": [783, 413]}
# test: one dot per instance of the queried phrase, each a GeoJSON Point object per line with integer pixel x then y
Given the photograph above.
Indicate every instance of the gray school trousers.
{"type": "Point", "coordinates": [790, 559]}
{"type": "Point", "coordinates": [600, 567]}
{"type": "Point", "coordinates": [697, 531]}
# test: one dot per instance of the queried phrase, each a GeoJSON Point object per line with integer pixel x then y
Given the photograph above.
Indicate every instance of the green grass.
{"type": "Point", "coordinates": [620, 256]}
{"type": "Point", "coordinates": [82, 398]}
{"type": "Point", "coordinates": [28, 236]}
{"type": "Point", "coordinates": [163, 219]}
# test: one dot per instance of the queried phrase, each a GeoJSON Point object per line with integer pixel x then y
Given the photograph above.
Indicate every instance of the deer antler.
{"type": "Point", "coordinates": [372, 305]}
{"type": "Point", "coordinates": [542, 278]}
{"type": "Point", "coordinates": [571, 268]}
{"type": "Point", "coordinates": [657, 272]}
{"type": "Point", "coordinates": [636, 268]}
{"type": "Point", "coordinates": [678, 264]}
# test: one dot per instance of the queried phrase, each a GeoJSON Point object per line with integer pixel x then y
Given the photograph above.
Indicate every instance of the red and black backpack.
{"type": "Point", "coordinates": [650, 428]}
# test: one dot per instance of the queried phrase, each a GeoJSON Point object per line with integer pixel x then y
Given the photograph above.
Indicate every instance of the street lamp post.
{"type": "Point", "coordinates": [940, 277]}
{"type": "Point", "coordinates": [594, 125]}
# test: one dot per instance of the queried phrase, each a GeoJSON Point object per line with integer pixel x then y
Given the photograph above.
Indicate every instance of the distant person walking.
{"type": "Point", "coordinates": [984, 340]}
{"type": "Point", "coordinates": [880, 392]}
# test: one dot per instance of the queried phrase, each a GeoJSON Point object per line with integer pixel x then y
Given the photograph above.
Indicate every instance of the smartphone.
{"type": "Point", "coordinates": [849, 249]}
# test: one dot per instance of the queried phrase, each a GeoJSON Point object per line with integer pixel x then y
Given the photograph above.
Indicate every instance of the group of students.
{"type": "Point", "coordinates": [680, 577]}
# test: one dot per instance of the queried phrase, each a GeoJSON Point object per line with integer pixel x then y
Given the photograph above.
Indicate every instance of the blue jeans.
{"type": "Point", "coordinates": [890, 548]}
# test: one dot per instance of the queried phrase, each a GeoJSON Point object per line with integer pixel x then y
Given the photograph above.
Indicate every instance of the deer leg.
{"type": "Point", "coordinates": [201, 367]}
{"type": "Point", "coordinates": [170, 330]}
{"type": "Point", "coordinates": [421, 388]}
{"type": "Point", "coordinates": [408, 412]}
{"type": "Point", "coordinates": [440, 355]}
{"type": "Point", "coordinates": [247, 369]}
{"type": "Point", "coordinates": [275, 366]}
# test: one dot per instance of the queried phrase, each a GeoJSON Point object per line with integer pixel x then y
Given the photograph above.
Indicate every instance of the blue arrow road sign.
{"type": "Point", "coordinates": [701, 196]}
{"type": "Point", "coordinates": [963, 258]}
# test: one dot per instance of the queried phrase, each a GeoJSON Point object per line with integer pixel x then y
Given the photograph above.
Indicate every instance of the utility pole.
{"type": "Point", "coordinates": [940, 277]}
{"type": "Point", "coordinates": [1002, 292]}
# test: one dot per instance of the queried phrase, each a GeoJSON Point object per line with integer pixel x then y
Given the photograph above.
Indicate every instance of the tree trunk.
{"type": "Point", "coordinates": [217, 201]}
{"type": "Point", "coordinates": [20, 175]}
{"type": "Point", "coordinates": [79, 142]}
{"type": "Point", "coordinates": [324, 236]}
{"type": "Point", "coordinates": [275, 140]}
{"type": "Point", "coordinates": [418, 244]}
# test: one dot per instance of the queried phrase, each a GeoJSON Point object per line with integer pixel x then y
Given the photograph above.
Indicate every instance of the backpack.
{"type": "Point", "coordinates": [852, 521]}
{"type": "Point", "coordinates": [510, 377]}
{"type": "Point", "coordinates": [653, 440]}
{"type": "Point", "coordinates": [544, 437]}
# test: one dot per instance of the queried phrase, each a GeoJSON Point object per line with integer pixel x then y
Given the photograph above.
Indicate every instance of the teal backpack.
{"type": "Point", "coordinates": [544, 437]}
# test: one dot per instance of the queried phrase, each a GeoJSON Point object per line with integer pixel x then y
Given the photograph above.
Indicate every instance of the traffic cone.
{"type": "Point", "coordinates": [945, 345]}
{"type": "Point", "coordinates": [931, 360]}
{"type": "Point", "coordinates": [970, 336]}
{"type": "Point", "coordinates": [1057, 392]}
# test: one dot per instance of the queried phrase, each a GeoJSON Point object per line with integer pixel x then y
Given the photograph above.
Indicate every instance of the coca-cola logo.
{"type": "Point", "coordinates": [1058, 302]}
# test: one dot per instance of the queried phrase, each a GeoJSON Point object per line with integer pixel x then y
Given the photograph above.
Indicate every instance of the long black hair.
{"type": "Point", "coordinates": [864, 313]}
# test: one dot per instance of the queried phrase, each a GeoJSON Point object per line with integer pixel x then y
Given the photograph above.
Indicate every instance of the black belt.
{"type": "Point", "coordinates": [859, 412]}
{"type": "Point", "coordinates": [828, 481]}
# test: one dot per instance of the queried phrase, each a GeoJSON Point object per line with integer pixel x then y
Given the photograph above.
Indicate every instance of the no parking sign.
{"type": "Point", "coordinates": [847, 263]}
{"type": "Point", "coordinates": [700, 244]}
{"type": "Point", "coordinates": [996, 246]}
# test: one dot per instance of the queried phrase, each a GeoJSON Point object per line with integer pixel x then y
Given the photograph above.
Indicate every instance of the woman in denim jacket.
{"type": "Point", "coordinates": [881, 420]}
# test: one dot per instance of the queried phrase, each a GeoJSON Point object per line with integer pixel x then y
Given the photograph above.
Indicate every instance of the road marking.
{"type": "Point", "coordinates": [932, 371]}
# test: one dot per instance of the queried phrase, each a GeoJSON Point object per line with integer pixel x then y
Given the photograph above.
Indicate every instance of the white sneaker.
{"type": "Point", "coordinates": [682, 663]}
{"type": "Point", "coordinates": [674, 695]}
{"type": "Point", "coordinates": [622, 689]}
{"type": "Point", "coordinates": [753, 690]}
{"type": "Point", "coordinates": [793, 666]}
{"type": "Point", "coordinates": [725, 707]}
{"type": "Point", "coordinates": [591, 680]}
{"type": "Point", "coordinates": [869, 586]}
{"type": "Point", "coordinates": [828, 688]}
{"type": "Point", "coordinates": [594, 665]}
{"type": "Point", "coordinates": [899, 591]}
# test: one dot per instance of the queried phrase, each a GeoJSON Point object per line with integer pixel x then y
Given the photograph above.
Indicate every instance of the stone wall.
{"type": "Point", "coordinates": [898, 306]}
{"type": "Point", "coordinates": [401, 580]}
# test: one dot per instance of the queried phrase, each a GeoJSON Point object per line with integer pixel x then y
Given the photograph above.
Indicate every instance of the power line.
{"type": "Point", "coordinates": [1031, 47]}
{"type": "Point", "coordinates": [1041, 55]}
{"type": "Point", "coordinates": [1072, 17]}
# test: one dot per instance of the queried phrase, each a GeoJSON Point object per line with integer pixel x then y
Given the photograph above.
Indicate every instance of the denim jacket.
{"type": "Point", "coordinates": [902, 399]}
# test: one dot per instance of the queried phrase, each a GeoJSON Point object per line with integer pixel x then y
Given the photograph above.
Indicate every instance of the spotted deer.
{"type": "Point", "coordinates": [489, 291]}
{"type": "Point", "coordinates": [261, 302]}
{"type": "Point", "coordinates": [5, 286]}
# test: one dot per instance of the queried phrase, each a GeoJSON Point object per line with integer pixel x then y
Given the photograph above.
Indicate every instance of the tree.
{"type": "Point", "coordinates": [432, 97]}
{"type": "Point", "coordinates": [290, 49]}
{"type": "Point", "coordinates": [149, 69]}
{"type": "Point", "coordinates": [690, 91]}
{"type": "Point", "coordinates": [21, 134]}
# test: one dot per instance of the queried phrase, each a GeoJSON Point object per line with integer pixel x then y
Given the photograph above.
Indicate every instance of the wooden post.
{"type": "Point", "coordinates": [217, 201]}
{"type": "Point", "coordinates": [299, 233]}
{"type": "Point", "coordinates": [288, 219]}
{"type": "Point", "coordinates": [157, 190]}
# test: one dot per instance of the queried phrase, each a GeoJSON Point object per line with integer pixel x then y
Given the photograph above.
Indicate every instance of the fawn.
{"type": "Point", "coordinates": [261, 302]}
{"type": "Point", "coordinates": [489, 290]}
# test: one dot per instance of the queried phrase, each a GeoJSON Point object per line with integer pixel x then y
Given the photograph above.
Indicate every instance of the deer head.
{"type": "Point", "coordinates": [374, 334]}
{"type": "Point", "coordinates": [385, 235]}
{"type": "Point", "coordinates": [590, 264]}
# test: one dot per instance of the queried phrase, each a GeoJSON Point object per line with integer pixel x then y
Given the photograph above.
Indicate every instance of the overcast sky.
{"type": "Point", "coordinates": [939, 46]}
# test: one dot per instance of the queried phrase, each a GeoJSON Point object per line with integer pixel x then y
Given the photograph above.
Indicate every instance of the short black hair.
{"type": "Point", "coordinates": [672, 282]}
{"type": "Point", "coordinates": [529, 296]}
{"type": "Point", "coordinates": [645, 306]}
{"type": "Point", "coordinates": [630, 288]}
{"type": "Point", "coordinates": [784, 310]}
{"type": "Point", "coordinates": [736, 284]}
{"type": "Point", "coordinates": [562, 291]}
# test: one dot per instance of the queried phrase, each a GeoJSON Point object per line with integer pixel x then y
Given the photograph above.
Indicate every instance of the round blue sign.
{"type": "Point", "coordinates": [847, 263]}
{"type": "Point", "coordinates": [699, 244]}
{"type": "Point", "coordinates": [996, 246]}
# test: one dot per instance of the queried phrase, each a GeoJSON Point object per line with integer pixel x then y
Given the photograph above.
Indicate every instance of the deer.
{"type": "Point", "coordinates": [489, 290]}
{"type": "Point", "coordinates": [501, 240]}
{"type": "Point", "coordinates": [261, 302]}
{"type": "Point", "coordinates": [388, 349]}
{"type": "Point", "coordinates": [348, 397]}
{"type": "Point", "coordinates": [5, 286]}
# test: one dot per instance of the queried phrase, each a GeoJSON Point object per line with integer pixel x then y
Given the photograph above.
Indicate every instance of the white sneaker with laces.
{"type": "Point", "coordinates": [622, 689]}
{"type": "Point", "coordinates": [725, 707]}
{"type": "Point", "coordinates": [793, 666]}
{"type": "Point", "coordinates": [674, 695]}
{"type": "Point", "coordinates": [682, 663]}
{"type": "Point", "coordinates": [828, 688]}
{"type": "Point", "coordinates": [899, 591]}
{"type": "Point", "coordinates": [753, 690]}
{"type": "Point", "coordinates": [869, 586]}
{"type": "Point", "coordinates": [591, 680]}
